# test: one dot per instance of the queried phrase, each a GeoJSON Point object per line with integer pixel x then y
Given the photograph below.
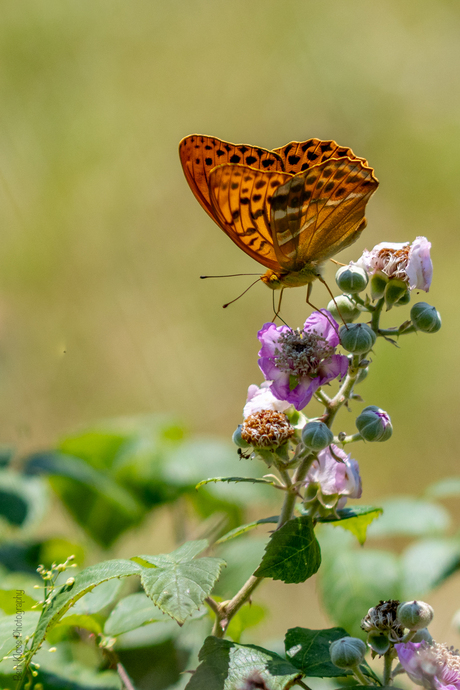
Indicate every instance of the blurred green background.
{"type": "Point", "coordinates": [102, 312]}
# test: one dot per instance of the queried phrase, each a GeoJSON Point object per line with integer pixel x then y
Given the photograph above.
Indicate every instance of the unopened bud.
{"type": "Point", "coordinates": [342, 307]}
{"type": "Point", "coordinates": [237, 439]}
{"type": "Point", "coordinates": [374, 424]}
{"type": "Point", "coordinates": [351, 278]}
{"type": "Point", "coordinates": [357, 338]}
{"type": "Point", "coordinates": [422, 635]}
{"type": "Point", "coordinates": [394, 291]}
{"type": "Point", "coordinates": [348, 652]}
{"type": "Point", "coordinates": [316, 436]}
{"type": "Point", "coordinates": [415, 615]}
{"type": "Point", "coordinates": [362, 374]}
{"type": "Point", "coordinates": [425, 318]}
{"type": "Point", "coordinates": [379, 282]}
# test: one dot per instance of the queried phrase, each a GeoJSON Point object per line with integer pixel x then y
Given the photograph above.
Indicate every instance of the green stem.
{"type": "Point", "coordinates": [349, 439]}
{"type": "Point", "coordinates": [387, 664]}
{"type": "Point", "coordinates": [360, 676]}
{"type": "Point", "coordinates": [322, 397]}
{"type": "Point", "coordinates": [345, 391]}
{"type": "Point", "coordinates": [375, 320]}
{"type": "Point", "coordinates": [396, 331]}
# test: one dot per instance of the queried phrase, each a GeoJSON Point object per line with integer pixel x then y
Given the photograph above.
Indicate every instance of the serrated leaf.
{"type": "Point", "coordinates": [179, 583]}
{"type": "Point", "coordinates": [238, 531]}
{"type": "Point", "coordinates": [251, 480]}
{"type": "Point", "coordinates": [356, 519]}
{"type": "Point", "coordinates": [309, 651]}
{"type": "Point", "coordinates": [227, 665]}
{"type": "Point", "coordinates": [83, 582]}
{"type": "Point", "coordinates": [292, 553]}
{"type": "Point", "coordinates": [409, 516]}
{"type": "Point", "coordinates": [133, 612]}
{"type": "Point", "coordinates": [426, 564]}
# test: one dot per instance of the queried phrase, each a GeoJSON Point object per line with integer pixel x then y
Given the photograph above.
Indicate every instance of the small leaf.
{"type": "Point", "coordinates": [133, 612]}
{"type": "Point", "coordinates": [356, 519]}
{"type": "Point", "coordinates": [251, 480]}
{"type": "Point", "coordinates": [309, 650]}
{"type": "Point", "coordinates": [426, 564]}
{"type": "Point", "coordinates": [178, 584]}
{"type": "Point", "coordinates": [226, 665]}
{"type": "Point", "coordinates": [409, 516]}
{"type": "Point", "coordinates": [246, 528]}
{"type": "Point", "coordinates": [292, 554]}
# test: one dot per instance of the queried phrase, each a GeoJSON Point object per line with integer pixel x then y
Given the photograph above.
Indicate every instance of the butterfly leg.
{"type": "Point", "coordinates": [321, 280]}
{"type": "Point", "coordinates": [310, 304]}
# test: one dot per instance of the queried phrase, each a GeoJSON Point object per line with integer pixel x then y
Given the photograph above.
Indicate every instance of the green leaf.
{"type": "Point", "coordinates": [426, 564]}
{"type": "Point", "coordinates": [444, 488]}
{"type": "Point", "coordinates": [355, 519]}
{"type": "Point", "coordinates": [15, 599]}
{"type": "Point", "coordinates": [10, 626]}
{"type": "Point", "coordinates": [251, 480]}
{"type": "Point", "coordinates": [309, 650]}
{"type": "Point", "coordinates": [292, 554]}
{"type": "Point", "coordinates": [84, 582]}
{"type": "Point", "coordinates": [409, 516]}
{"type": "Point", "coordinates": [22, 498]}
{"type": "Point", "coordinates": [133, 612]}
{"type": "Point", "coordinates": [100, 505]}
{"type": "Point", "coordinates": [227, 665]}
{"type": "Point", "coordinates": [81, 620]}
{"type": "Point", "coordinates": [351, 581]}
{"type": "Point", "coordinates": [97, 599]}
{"type": "Point", "coordinates": [246, 528]}
{"type": "Point", "coordinates": [248, 616]}
{"type": "Point", "coordinates": [178, 584]}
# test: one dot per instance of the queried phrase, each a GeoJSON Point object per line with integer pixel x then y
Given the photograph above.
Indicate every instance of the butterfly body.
{"type": "Point", "coordinates": [290, 209]}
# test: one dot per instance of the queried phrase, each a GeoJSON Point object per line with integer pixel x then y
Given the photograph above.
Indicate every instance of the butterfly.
{"type": "Point", "coordinates": [290, 208]}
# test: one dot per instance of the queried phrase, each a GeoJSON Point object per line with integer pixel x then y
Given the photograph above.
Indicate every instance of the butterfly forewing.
{"type": "Point", "coordinates": [298, 156]}
{"type": "Point", "coordinates": [240, 198]}
{"type": "Point", "coordinates": [200, 154]}
{"type": "Point", "coordinates": [319, 212]}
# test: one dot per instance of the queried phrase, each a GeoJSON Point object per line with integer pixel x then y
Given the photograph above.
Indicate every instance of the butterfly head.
{"type": "Point", "coordinates": [277, 280]}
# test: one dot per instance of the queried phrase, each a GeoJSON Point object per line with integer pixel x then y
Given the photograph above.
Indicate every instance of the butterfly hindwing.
{"type": "Point", "coordinates": [200, 154]}
{"type": "Point", "coordinates": [298, 156]}
{"type": "Point", "coordinates": [240, 197]}
{"type": "Point", "coordinates": [319, 212]}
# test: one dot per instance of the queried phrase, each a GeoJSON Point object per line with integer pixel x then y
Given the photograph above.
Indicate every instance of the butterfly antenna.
{"type": "Point", "coordinates": [243, 293]}
{"type": "Point", "coordinates": [232, 275]}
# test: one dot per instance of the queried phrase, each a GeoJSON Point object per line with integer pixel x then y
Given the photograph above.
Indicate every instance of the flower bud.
{"type": "Point", "coordinates": [316, 436]}
{"type": "Point", "coordinates": [348, 652]}
{"type": "Point", "coordinates": [343, 308]}
{"type": "Point", "coordinates": [415, 615]}
{"type": "Point", "coordinates": [351, 278]}
{"type": "Point", "coordinates": [422, 635]}
{"type": "Point", "coordinates": [357, 338]}
{"type": "Point", "coordinates": [425, 318]}
{"type": "Point", "coordinates": [379, 282]}
{"type": "Point", "coordinates": [394, 291]}
{"type": "Point", "coordinates": [374, 424]}
{"type": "Point", "coordinates": [238, 440]}
{"type": "Point", "coordinates": [405, 299]}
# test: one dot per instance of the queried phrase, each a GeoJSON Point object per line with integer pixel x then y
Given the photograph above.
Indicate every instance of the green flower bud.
{"type": "Point", "coordinates": [374, 424]}
{"type": "Point", "coordinates": [357, 338]}
{"type": "Point", "coordinates": [362, 375]}
{"type": "Point", "coordinates": [415, 615]}
{"type": "Point", "coordinates": [238, 440]}
{"type": "Point", "coordinates": [348, 652]}
{"type": "Point", "coordinates": [351, 278]}
{"type": "Point", "coordinates": [316, 436]}
{"type": "Point", "coordinates": [378, 284]}
{"type": "Point", "coordinates": [422, 635]}
{"type": "Point", "coordinates": [394, 291]}
{"type": "Point", "coordinates": [425, 318]}
{"type": "Point", "coordinates": [343, 304]}
{"type": "Point", "coordinates": [378, 642]}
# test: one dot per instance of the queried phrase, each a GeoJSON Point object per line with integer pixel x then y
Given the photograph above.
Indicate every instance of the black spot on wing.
{"type": "Point", "coordinates": [234, 159]}
{"type": "Point", "coordinates": [293, 160]}
{"type": "Point", "coordinates": [250, 160]}
{"type": "Point", "coordinates": [208, 161]}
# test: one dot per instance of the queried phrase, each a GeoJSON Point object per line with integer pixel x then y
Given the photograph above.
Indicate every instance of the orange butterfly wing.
{"type": "Point", "coordinates": [199, 154]}
{"type": "Point", "coordinates": [240, 197]}
{"type": "Point", "coordinates": [320, 211]}
{"type": "Point", "coordinates": [298, 156]}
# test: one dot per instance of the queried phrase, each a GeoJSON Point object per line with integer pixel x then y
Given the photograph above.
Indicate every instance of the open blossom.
{"type": "Point", "coordinates": [435, 666]}
{"type": "Point", "coordinates": [262, 398]}
{"type": "Point", "coordinates": [408, 262]}
{"type": "Point", "coordinates": [332, 481]}
{"type": "Point", "coordinates": [298, 362]}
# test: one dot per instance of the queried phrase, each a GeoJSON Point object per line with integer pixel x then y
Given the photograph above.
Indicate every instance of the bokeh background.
{"type": "Point", "coordinates": [102, 312]}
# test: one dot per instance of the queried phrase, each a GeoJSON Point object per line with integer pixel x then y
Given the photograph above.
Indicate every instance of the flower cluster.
{"type": "Point", "coordinates": [410, 263]}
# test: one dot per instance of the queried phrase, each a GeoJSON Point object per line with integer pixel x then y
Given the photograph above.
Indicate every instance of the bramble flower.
{"type": "Point", "coordinates": [298, 362]}
{"type": "Point", "coordinates": [404, 261]}
{"type": "Point", "coordinates": [266, 429]}
{"type": "Point", "coordinates": [434, 666]}
{"type": "Point", "coordinates": [330, 481]}
{"type": "Point", "coordinates": [261, 398]}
